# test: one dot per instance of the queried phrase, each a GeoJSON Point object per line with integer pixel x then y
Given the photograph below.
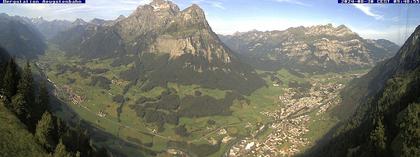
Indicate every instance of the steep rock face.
{"type": "Point", "coordinates": [162, 28]}
{"type": "Point", "coordinates": [386, 104]}
{"type": "Point", "coordinates": [19, 38]}
{"type": "Point", "coordinates": [102, 22]}
{"type": "Point", "coordinates": [147, 19]}
{"type": "Point", "coordinates": [318, 48]}
{"type": "Point", "coordinates": [50, 28]}
{"type": "Point", "coordinates": [407, 59]}
{"type": "Point", "coordinates": [159, 27]}
{"type": "Point", "coordinates": [162, 40]}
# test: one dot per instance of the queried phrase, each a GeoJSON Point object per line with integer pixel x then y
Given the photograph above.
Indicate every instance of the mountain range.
{"type": "Point", "coordinates": [19, 38]}
{"type": "Point", "coordinates": [170, 69]}
{"type": "Point", "coordinates": [322, 48]}
{"type": "Point", "coordinates": [384, 109]}
{"type": "Point", "coordinates": [161, 28]}
{"type": "Point", "coordinates": [166, 44]}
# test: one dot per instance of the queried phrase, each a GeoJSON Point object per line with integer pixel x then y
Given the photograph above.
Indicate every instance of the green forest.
{"type": "Point", "coordinates": [29, 128]}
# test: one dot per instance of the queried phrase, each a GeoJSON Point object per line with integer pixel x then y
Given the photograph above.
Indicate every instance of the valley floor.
{"type": "Point", "coordinates": [283, 118]}
{"type": "Point", "coordinates": [302, 119]}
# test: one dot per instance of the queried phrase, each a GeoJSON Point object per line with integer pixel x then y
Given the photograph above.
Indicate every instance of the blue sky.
{"type": "Point", "coordinates": [391, 21]}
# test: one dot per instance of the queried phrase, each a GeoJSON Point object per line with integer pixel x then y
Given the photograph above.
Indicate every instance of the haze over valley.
{"type": "Point", "coordinates": [161, 82]}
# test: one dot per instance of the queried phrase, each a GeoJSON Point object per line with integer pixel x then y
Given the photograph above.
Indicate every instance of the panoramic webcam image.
{"type": "Point", "coordinates": [209, 78]}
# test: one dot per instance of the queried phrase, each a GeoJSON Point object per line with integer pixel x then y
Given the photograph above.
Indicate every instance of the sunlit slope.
{"type": "Point", "coordinates": [15, 140]}
{"type": "Point", "coordinates": [385, 122]}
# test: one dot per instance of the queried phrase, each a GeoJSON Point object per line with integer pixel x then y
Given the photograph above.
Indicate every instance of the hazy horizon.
{"type": "Point", "coordinates": [391, 22]}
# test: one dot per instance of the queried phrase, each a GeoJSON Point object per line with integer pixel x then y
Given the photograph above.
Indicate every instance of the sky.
{"type": "Point", "coordinates": [394, 22]}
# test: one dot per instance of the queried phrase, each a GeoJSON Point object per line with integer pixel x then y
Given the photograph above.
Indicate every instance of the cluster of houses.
{"type": "Point", "coordinates": [288, 132]}
{"type": "Point", "coordinates": [75, 99]}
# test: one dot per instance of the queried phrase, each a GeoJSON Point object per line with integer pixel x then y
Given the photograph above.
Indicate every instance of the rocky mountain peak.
{"type": "Point", "coordinates": [79, 22]}
{"type": "Point", "coordinates": [409, 55]}
{"type": "Point", "coordinates": [330, 30]}
{"type": "Point", "coordinates": [343, 27]}
{"type": "Point", "coordinates": [315, 48]}
{"type": "Point", "coordinates": [37, 19]}
{"type": "Point", "coordinates": [121, 17]}
{"type": "Point", "coordinates": [417, 34]}
{"type": "Point", "coordinates": [161, 8]}
{"type": "Point", "coordinates": [195, 8]}
{"type": "Point", "coordinates": [194, 17]}
{"type": "Point", "coordinates": [189, 33]}
{"type": "Point", "coordinates": [97, 21]}
{"type": "Point", "coordinates": [160, 2]}
{"type": "Point", "coordinates": [165, 45]}
{"type": "Point", "coordinates": [164, 6]}
{"type": "Point", "coordinates": [158, 28]}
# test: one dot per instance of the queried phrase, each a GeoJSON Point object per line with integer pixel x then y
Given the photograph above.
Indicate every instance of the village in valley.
{"type": "Point", "coordinates": [300, 104]}
{"type": "Point", "coordinates": [291, 120]}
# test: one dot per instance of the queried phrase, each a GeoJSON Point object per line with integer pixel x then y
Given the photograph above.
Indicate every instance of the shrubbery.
{"type": "Point", "coordinates": [32, 108]}
{"type": "Point", "coordinates": [101, 81]}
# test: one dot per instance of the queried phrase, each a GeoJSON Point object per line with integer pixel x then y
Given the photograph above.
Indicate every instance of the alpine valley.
{"type": "Point", "coordinates": [160, 82]}
{"type": "Point", "coordinates": [317, 49]}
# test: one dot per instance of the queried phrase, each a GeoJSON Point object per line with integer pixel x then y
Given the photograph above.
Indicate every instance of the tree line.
{"type": "Point", "coordinates": [30, 102]}
{"type": "Point", "coordinates": [386, 125]}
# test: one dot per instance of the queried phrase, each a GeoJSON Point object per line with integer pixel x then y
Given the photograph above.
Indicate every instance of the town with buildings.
{"type": "Point", "coordinates": [291, 120]}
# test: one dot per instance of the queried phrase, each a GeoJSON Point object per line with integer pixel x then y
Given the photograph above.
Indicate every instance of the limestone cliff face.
{"type": "Point", "coordinates": [159, 28]}
{"type": "Point", "coordinates": [165, 44]}
{"type": "Point", "coordinates": [170, 31]}
{"type": "Point", "coordinates": [317, 48]}
{"type": "Point", "coordinates": [19, 38]}
{"type": "Point", "coordinates": [389, 91]}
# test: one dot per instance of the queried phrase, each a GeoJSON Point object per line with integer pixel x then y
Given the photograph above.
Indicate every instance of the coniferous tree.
{"type": "Point", "coordinates": [10, 79]}
{"type": "Point", "coordinates": [26, 86]}
{"type": "Point", "coordinates": [45, 131]}
{"type": "Point", "coordinates": [42, 102]}
{"type": "Point", "coordinates": [82, 140]}
{"type": "Point", "coordinates": [43, 97]}
{"type": "Point", "coordinates": [378, 137]}
{"type": "Point", "coordinates": [101, 152]}
{"type": "Point", "coordinates": [61, 128]}
{"type": "Point", "coordinates": [2, 71]}
{"type": "Point", "coordinates": [18, 107]}
{"type": "Point", "coordinates": [60, 150]}
{"type": "Point", "coordinates": [410, 131]}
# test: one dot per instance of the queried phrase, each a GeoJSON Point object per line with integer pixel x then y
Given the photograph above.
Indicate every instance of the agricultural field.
{"type": "Point", "coordinates": [170, 120]}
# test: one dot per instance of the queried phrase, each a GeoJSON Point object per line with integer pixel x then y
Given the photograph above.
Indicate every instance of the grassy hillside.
{"type": "Point", "coordinates": [387, 125]}
{"type": "Point", "coordinates": [154, 118]}
{"type": "Point", "coordinates": [15, 140]}
{"type": "Point", "coordinates": [178, 116]}
{"type": "Point", "coordinates": [387, 112]}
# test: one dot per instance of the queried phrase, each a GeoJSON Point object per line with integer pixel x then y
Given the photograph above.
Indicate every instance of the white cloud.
{"type": "Point", "coordinates": [92, 9]}
{"type": "Point", "coordinates": [368, 11]}
{"type": "Point", "coordinates": [230, 26]}
{"type": "Point", "coordinates": [223, 25]}
{"type": "Point", "coordinates": [396, 33]}
{"type": "Point", "coordinates": [297, 2]}
{"type": "Point", "coordinates": [38, 7]}
{"type": "Point", "coordinates": [218, 5]}
{"type": "Point", "coordinates": [213, 3]}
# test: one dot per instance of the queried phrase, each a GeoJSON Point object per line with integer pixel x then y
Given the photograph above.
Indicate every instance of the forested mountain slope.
{"type": "Point", "coordinates": [27, 126]}
{"type": "Point", "coordinates": [386, 123]}
{"type": "Point", "coordinates": [319, 49]}
{"type": "Point", "coordinates": [15, 140]}
{"type": "Point", "coordinates": [19, 38]}
{"type": "Point", "coordinates": [164, 44]}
